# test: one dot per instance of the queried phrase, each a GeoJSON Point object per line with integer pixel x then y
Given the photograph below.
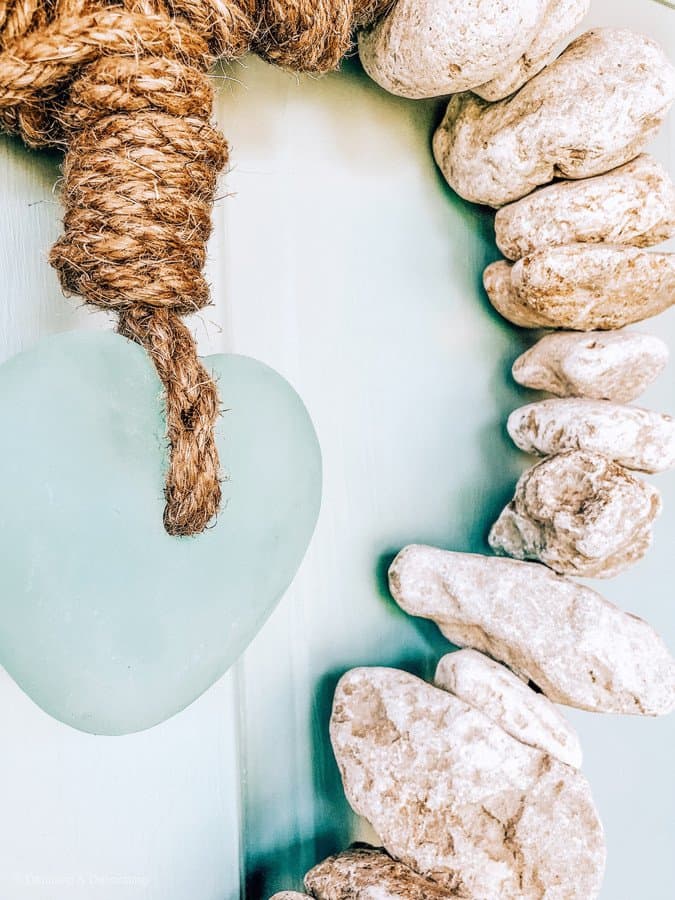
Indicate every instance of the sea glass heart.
{"type": "Point", "coordinates": [109, 624]}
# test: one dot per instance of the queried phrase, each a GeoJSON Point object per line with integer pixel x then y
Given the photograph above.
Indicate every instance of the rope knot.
{"type": "Point", "coordinates": [123, 85]}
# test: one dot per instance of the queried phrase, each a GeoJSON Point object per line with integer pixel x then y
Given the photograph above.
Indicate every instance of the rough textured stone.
{"type": "Point", "coordinates": [427, 48]}
{"type": "Point", "coordinates": [456, 798]}
{"type": "Point", "coordinates": [593, 109]}
{"type": "Point", "coordinates": [578, 648]}
{"type": "Point", "coordinates": [634, 204]}
{"type": "Point", "coordinates": [601, 365]}
{"type": "Point", "coordinates": [635, 438]}
{"type": "Point", "coordinates": [290, 895]}
{"type": "Point", "coordinates": [367, 873]}
{"type": "Point", "coordinates": [579, 513]}
{"type": "Point", "coordinates": [525, 714]}
{"type": "Point", "coordinates": [582, 286]}
{"type": "Point", "coordinates": [559, 22]}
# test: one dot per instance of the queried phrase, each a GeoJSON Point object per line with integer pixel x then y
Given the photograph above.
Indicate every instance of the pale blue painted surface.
{"type": "Point", "coordinates": [342, 260]}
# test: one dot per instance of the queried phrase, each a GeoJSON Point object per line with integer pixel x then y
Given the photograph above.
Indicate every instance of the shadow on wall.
{"type": "Point", "coordinates": [473, 503]}
{"type": "Point", "coordinates": [41, 166]}
{"type": "Point", "coordinates": [499, 463]}
{"type": "Point", "coordinates": [335, 820]}
{"type": "Point", "coordinates": [335, 834]}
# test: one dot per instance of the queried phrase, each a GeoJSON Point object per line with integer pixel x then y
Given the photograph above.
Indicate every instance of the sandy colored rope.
{"type": "Point", "coordinates": [123, 86]}
{"type": "Point", "coordinates": [310, 36]}
{"type": "Point", "coordinates": [192, 487]}
{"type": "Point", "coordinates": [19, 16]}
{"type": "Point", "coordinates": [35, 66]}
{"type": "Point", "coordinates": [139, 181]}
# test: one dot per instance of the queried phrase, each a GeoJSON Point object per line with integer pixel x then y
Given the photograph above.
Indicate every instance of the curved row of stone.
{"type": "Point", "coordinates": [472, 783]}
{"type": "Point", "coordinates": [577, 261]}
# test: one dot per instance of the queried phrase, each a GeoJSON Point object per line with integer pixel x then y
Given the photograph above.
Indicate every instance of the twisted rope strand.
{"type": "Point", "coordinates": [192, 488]}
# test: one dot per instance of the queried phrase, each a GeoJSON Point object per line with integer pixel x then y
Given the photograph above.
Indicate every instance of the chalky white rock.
{"type": "Point", "coordinates": [456, 798]}
{"type": "Point", "coordinates": [577, 647]}
{"type": "Point", "coordinates": [582, 287]}
{"type": "Point", "coordinates": [559, 22]}
{"type": "Point", "coordinates": [503, 697]}
{"type": "Point", "coordinates": [635, 438]}
{"type": "Point", "coordinates": [580, 514]}
{"type": "Point", "coordinates": [600, 365]}
{"type": "Point", "coordinates": [591, 110]}
{"type": "Point", "coordinates": [290, 895]}
{"type": "Point", "coordinates": [367, 873]}
{"type": "Point", "coordinates": [634, 204]}
{"type": "Point", "coordinates": [427, 48]}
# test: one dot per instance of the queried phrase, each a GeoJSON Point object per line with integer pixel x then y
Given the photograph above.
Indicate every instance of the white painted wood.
{"type": "Point", "coordinates": [340, 258]}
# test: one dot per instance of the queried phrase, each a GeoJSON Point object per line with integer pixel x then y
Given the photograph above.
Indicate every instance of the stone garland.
{"type": "Point", "coordinates": [473, 783]}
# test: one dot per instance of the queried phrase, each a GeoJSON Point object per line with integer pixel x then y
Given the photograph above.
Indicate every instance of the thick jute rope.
{"type": "Point", "coordinates": [123, 86]}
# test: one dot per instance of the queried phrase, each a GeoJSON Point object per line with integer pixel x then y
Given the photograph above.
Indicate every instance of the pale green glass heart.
{"type": "Point", "coordinates": [109, 624]}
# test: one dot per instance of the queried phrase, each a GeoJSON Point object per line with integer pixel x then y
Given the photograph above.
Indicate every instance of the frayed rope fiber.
{"type": "Point", "coordinates": [123, 86]}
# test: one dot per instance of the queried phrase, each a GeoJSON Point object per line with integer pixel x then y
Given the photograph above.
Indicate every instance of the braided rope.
{"type": "Point", "coordinates": [123, 86]}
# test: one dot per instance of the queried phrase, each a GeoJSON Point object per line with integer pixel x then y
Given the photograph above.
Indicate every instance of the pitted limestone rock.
{"type": "Point", "coordinates": [593, 109]}
{"type": "Point", "coordinates": [367, 873]}
{"type": "Point", "coordinates": [427, 48]}
{"type": "Point", "coordinates": [600, 365]}
{"type": "Point", "coordinates": [578, 648]}
{"type": "Point", "coordinates": [635, 438]}
{"type": "Point", "coordinates": [528, 716]}
{"type": "Point", "coordinates": [290, 895]}
{"type": "Point", "coordinates": [582, 286]}
{"type": "Point", "coordinates": [560, 21]}
{"type": "Point", "coordinates": [456, 798]}
{"type": "Point", "coordinates": [634, 204]}
{"type": "Point", "coordinates": [579, 513]}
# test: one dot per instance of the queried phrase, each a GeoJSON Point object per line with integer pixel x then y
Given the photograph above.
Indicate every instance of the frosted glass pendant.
{"type": "Point", "coordinates": [109, 624]}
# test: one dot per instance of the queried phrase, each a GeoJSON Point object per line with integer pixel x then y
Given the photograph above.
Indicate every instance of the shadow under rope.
{"type": "Point", "coordinates": [42, 165]}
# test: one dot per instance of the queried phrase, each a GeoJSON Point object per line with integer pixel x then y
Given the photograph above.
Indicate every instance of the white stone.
{"type": "Point", "coordinates": [290, 895]}
{"type": "Point", "coordinates": [582, 286]}
{"type": "Point", "coordinates": [560, 21]}
{"type": "Point", "coordinates": [367, 873]}
{"type": "Point", "coordinates": [577, 647]}
{"type": "Point", "coordinates": [593, 109]}
{"type": "Point", "coordinates": [427, 48]}
{"type": "Point", "coordinates": [634, 204]}
{"type": "Point", "coordinates": [525, 714]}
{"type": "Point", "coordinates": [635, 438]}
{"type": "Point", "coordinates": [456, 798]}
{"type": "Point", "coordinates": [600, 365]}
{"type": "Point", "coordinates": [579, 513]}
